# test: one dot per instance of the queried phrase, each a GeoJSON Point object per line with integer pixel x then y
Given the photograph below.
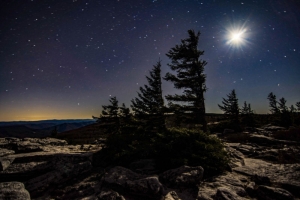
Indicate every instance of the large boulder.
{"type": "Point", "coordinates": [228, 186]}
{"type": "Point", "coordinates": [126, 180]}
{"type": "Point", "coordinates": [37, 185]}
{"type": "Point", "coordinates": [13, 191]}
{"type": "Point", "coordinates": [182, 176]}
{"type": "Point", "coordinates": [236, 157]}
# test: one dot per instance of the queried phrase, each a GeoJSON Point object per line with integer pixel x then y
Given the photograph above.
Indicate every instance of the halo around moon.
{"type": "Point", "coordinates": [236, 37]}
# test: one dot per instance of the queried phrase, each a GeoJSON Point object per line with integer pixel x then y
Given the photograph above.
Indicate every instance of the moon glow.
{"type": "Point", "coordinates": [236, 37]}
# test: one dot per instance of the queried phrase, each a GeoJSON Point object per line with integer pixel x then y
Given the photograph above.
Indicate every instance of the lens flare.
{"type": "Point", "coordinates": [236, 37]}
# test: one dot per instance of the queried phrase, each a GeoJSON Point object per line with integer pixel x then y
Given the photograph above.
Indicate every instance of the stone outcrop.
{"type": "Point", "coordinates": [52, 169]}
{"type": "Point", "coordinates": [41, 164]}
{"type": "Point", "coordinates": [227, 186]}
{"type": "Point", "coordinates": [182, 176]}
{"type": "Point", "coordinates": [133, 183]}
{"type": "Point", "coordinates": [13, 190]}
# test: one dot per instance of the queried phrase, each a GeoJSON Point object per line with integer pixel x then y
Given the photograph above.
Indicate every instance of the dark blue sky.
{"type": "Point", "coordinates": [64, 59]}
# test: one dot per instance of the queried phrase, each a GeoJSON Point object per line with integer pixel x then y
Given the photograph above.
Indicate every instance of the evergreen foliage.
{"type": "Point", "coordinates": [273, 103]}
{"type": "Point", "coordinates": [281, 113]}
{"type": "Point", "coordinates": [111, 110]}
{"type": "Point", "coordinates": [181, 146]}
{"type": "Point", "coordinates": [281, 105]}
{"type": "Point", "coordinates": [247, 115]}
{"type": "Point", "coordinates": [149, 104]}
{"type": "Point", "coordinates": [246, 109]}
{"type": "Point", "coordinates": [231, 107]}
{"type": "Point", "coordinates": [189, 68]}
{"type": "Point", "coordinates": [114, 117]}
{"type": "Point", "coordinates": [285, 115]}
{"type": "Point", "coordinates": [170, 148]}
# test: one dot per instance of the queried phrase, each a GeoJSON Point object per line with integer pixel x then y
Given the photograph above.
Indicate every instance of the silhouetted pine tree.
{"type": "Point", "coordinates": [110, 116]}
{"type": "Point", "coordinates": [273, 103]}
{"type": "Point", "coordinates": [285, 116]}
{"type": "Point", "coordinates": [246, 109]}
{"type": "Point", "coordinates": [150, 104]}
{"type": "Point", "coordinates": [231, 107]}
{"type": "Point", "coordinates": [125, 115]}
{"type": "Point", "coordinates": [247, 114]}
{"type": "Point", "coordinates": [111, 110]}
{"type": "Point", "coordinates": [189, 68]}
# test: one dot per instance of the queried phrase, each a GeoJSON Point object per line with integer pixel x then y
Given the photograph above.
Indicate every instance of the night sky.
{"type": "Point", "coordinates": [63, 59]}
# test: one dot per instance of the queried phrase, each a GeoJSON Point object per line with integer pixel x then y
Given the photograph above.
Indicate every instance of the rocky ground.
{"type": "Point", "coordinates": [51, 169]}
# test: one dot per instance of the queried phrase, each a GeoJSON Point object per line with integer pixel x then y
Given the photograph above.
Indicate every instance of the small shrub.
{"type": "Point", "coordinates": [191, 147]}
{"type": "Point", "coordinates": [170, 148]}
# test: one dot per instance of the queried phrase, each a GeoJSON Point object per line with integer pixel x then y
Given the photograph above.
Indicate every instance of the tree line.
{"type": "Point", "coordinates": [188, 75]}
{"type": "Point", "coordinates": [189, 106]}
{"type": "Point", "coordinates": [282, 114]}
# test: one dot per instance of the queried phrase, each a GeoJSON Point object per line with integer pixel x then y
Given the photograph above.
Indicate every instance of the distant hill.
{"type": "Point", "coordinates": [83, 135]}
{"type": "Point", "coordinates": [68, 126]}
{"type": "Point", "coordinates": [21, 131]}
{"type": "Point", "coordinates": [39, 129]}
{"type": "Point", "coordinates": [50, 122]}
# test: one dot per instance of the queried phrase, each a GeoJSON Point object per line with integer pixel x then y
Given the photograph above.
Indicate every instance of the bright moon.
{"type": "Point", "coordinates": [237, 36]}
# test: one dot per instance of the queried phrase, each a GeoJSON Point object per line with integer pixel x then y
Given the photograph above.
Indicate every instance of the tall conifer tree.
{"type": "Point", "coordinates": [231, 106]}
{"type": "Point", "coordinates": [111, 110]}
{"type": "Point", "coordinates": [189, 68]}
{"type": "Point", "coordinates": [273, 103]}
{"type": "Point", "coordinates": [150, 101]}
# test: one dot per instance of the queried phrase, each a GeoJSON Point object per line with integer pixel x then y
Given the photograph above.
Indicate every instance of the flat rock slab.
{"type": "Point", "coordinates": [6, 152]}
{"type": "Point", "coordinates": [265, 140]}
{"type": "Point", "coordinates": [13, 191]}
{"type": "Point", "coordinates": [286, 176]}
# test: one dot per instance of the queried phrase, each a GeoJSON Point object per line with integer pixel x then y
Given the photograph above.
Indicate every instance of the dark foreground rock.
{"type": "Point", "coordinates": [184, 176]}
{"type": "Point", "coordinates": [61, 171]}
{"type": "Point", "coordinates": [13, 190]}
{"type": "Point", "coordinates": [124, 179]}
{"type": "Point", "coordinates": [42, 164]}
